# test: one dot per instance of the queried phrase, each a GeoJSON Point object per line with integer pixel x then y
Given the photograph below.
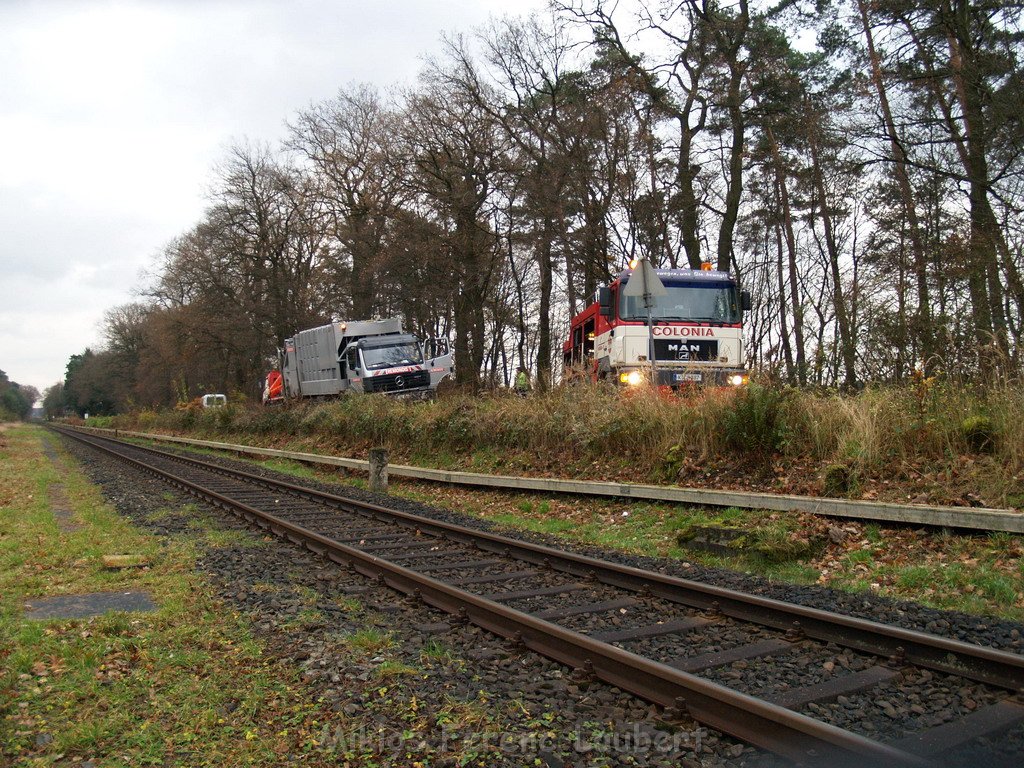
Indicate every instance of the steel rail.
{"type": "Point", "coordinates": [758, 722]}
{"type": "Point", "coordinates": [986, 665]}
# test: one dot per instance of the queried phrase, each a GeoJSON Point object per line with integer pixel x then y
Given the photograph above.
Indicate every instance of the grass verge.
{"type": "Point", "coordinates": [185, 685]}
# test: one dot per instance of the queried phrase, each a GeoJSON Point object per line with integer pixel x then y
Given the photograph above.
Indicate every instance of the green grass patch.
{"type": "Point", "coordinates": [435, 651]}
{"type": "Point", "coordinates": [861, 556]}
{"type": "Point", "coordinates": [306, 618]}
{"type": "Point", "coordinates": [390, 669]}
{"type": "Point", "coordinates": [369, 641]}
{"type": "Point", "coordinates": [185, 685]}
{"type": "Point", "coordinates": [972, 587]}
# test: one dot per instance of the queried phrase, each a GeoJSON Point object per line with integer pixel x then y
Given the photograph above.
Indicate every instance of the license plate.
{"type": "Point", "coordinates": [688, 377]}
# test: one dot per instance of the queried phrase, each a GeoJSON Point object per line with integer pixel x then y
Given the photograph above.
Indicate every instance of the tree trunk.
{"type": "Point", "coordinates": [570, 280]}
{"type": "Point", "coordinates": [468, 304]}
{"type": "Point", "coordinates": [735, 182]}
{"type": "Point", "coordinates": [686, 175]}
{"type": "Point", "coordinates": [903, 345]}
{"type": "Point", "coordinates": [795, 300]}
{"type": "Point", "coordinates": [544, 262]}
{"type": "Point", "coordinates": [923, 320]}
{"type": "Point", "coordinates": [847, 344]}
{"type": "Point", "coordinates": [787, 350]}
{"type": "Point", "coordinates": [734, 190]}
{"type": "Point", "coordinates": [362, 281]}
{"type": "Point", "coordinates": [466, 373]}
{"type": "Point", "coordinates": [981, 245]}
{"type": "Point", "coordinates": [520, 300]}
{"type": "Point", "coordinates": [971, 144]}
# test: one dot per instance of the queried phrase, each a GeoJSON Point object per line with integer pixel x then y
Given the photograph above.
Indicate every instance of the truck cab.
{"type": "Point", "coordinates": [697, 330]}
{"type": "Point", "coordinates": [391, 364]}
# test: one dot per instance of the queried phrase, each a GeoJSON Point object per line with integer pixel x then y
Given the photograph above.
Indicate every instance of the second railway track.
{"type": "Point", "coordinates": [794, 680]}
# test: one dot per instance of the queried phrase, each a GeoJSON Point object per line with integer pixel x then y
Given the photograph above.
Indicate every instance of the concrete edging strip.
{"type": "Point", "coordinates": [982, 519]}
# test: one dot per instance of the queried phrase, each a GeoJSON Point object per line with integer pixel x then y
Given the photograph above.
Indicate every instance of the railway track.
{"type": "Point", "coordinates": [797, 681]}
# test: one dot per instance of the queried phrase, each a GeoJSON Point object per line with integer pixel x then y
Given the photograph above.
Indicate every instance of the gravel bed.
{"type": "Point", "coordinates": [646, 611]}
{"type": "Point", "coordinates": [710, 638]}
{"type": "Point", "coordinates": [594, 594]}
{"type": "Point", "coordinates": [920, 700]}
{"type": "Point", "coordinates": [1000, 751]}
{"type": "Point", "coordinates": [531, 711]}
{"type": "Point", "coordinates": [988, 631]}
{"type": "Point", "coordinates": [455, 574]}
{"type": "Point", "coordinates": [552, 687]}
{"type": "Point", "coordinates": [769, 675]}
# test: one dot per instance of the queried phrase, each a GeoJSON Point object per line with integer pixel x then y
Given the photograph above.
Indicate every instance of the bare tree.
{"type": "Point", "coordinates": [350, 143]}
{"type": "Point", "coordinates": [456, 151]}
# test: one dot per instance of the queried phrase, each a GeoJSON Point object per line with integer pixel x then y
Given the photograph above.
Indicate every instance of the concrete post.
{"type": "Point", "coordinates": [378, 470]}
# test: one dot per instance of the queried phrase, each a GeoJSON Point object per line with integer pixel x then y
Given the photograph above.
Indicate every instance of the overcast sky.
{"type": "Point", "coordinates": [113, 113]}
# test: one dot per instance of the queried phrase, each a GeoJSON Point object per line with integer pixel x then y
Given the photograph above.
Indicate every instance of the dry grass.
{"type": "Point", "coordinates": [922, 426]}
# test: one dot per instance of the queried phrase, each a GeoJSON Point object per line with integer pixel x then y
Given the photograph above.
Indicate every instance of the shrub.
{"type": "Point", "coordinates": [223, 417]}
{"type": "Point", "coordinates": [757, 420]}
{"type": "Point", "coordinates": [317, 418]}
{"type": "Point", "coordinates": [846, 439]}
{"type": "Point", "coordinates": [671, 464]}
{"type": "Point", "coordinates": [147, 419]}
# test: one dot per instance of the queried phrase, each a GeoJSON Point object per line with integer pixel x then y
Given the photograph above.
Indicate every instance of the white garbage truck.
{"type": "Point", "coordinates": [364, 357]}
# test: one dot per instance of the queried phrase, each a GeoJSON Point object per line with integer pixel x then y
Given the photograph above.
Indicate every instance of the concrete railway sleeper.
{"type": "Point", "coordinates": [645, 632]}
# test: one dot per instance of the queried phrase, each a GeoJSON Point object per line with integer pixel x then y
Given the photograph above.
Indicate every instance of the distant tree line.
{"type": "Point", "coordinates": [16, 400]}
{"type": "Point", "coordinates": [857, 163]}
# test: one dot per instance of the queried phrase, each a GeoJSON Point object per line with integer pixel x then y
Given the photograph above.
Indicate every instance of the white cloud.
{"type": "Point", "coordinates": [112, 114]}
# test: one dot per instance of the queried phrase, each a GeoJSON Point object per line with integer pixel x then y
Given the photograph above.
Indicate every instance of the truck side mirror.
{"type": "Point", "coordinates": [745, 303]}
{"type": "Point", "coordinates": [604, 300]}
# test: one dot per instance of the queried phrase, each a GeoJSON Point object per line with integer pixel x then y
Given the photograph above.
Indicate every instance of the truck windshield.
{"type": "Point", "coordinates": [715, 303]}
{"type": "Point", "coordinates": [375, 358]}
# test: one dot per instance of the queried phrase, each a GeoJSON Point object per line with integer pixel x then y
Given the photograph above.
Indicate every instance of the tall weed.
{"type": "Point", "coordinates": [757, 421]}
{"type": "Point", "coordinates": [583, 423]}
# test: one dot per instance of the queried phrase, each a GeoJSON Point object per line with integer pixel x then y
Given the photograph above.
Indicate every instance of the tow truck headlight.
{"type": "Point", "coordinates": [737, 380]}
{"type": "Point", "coordinates": [633, 378]}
